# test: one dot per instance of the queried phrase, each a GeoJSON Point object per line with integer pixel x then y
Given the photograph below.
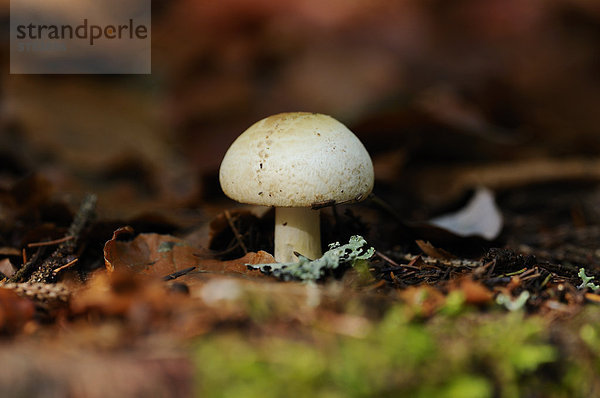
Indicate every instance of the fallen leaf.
{"type": "Point", "coordinates": [6, 267]}
{"type": "Point", "coordinates": [474, 292]}
{"type": "Point", "coordinates": [480, 217]}
{"type": "Point", "coordinates": [109, 246]}
{"type": "Point", "coordinates": [152, 254]}
{"type": "Point", "coordinates": [161, 255]}
{"type": "Point", "coordinates": [433, 251]}
{"type": "Point", "coordinates": [238, 265]}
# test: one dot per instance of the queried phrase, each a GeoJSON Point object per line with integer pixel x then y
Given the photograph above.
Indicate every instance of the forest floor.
{"type": "Point", "coordinates": [166, 305]}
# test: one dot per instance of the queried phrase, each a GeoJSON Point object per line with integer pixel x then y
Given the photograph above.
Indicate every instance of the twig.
{"type": "Point", "coordinates": [50, 242]}
{"type": "Point", "coordinates": [395, 266]}
{"type": "Point", "coordinates": [28, 267]}
{"type": "Point", "coordinates": [67, 265]}
{"type": "Point", "coordinates": [503, 175]}
{"type": "Point", "coordinates": [177, 274]}
{"type": "Point", "coordinates": [447, 262]}
{"type": "Point", "coordinates": [526, 278]}
{"type": "Point", "coordinates": [546, 280]}
{"type": "Point", "coordinates": [386, 258]}
{"type": "Point", "coordinates": [235, 232]}
{"type": "Point", "coordinates": [516, 272]}
{"type": "Point", "coordinates": [45, 273]}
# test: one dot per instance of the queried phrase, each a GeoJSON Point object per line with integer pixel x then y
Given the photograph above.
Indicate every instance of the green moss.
{"type": "Point", "coordinates": [474, 355]}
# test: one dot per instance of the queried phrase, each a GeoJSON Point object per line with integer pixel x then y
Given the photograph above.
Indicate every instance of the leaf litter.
{"type": "Point", "coordinates": [152, 284]}
{"type": "Point", "coordinates": [421, 317]}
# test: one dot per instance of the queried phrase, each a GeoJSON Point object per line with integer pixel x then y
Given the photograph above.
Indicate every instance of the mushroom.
{"type": "Point", "coordinates": [297, 162]}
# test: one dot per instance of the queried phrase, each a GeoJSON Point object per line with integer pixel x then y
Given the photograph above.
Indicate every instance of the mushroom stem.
{"type": "Point", "coordinates": [297, 229]}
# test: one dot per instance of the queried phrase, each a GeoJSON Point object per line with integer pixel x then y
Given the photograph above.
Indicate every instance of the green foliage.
{"type": "Point", "coordinates": [586, 281]}
{"type": "Point", "coordinates": [470, 356]}
{"type": "Point", "coordinates": [455, 303]}
{"type": "Point", "coordinates": [312, 270]}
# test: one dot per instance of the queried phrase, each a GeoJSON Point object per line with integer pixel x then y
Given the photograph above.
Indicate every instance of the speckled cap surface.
{"type": "Point", "coordinates": [296, 160]}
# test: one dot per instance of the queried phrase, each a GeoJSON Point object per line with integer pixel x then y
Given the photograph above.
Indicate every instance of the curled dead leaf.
{"type": "Point", "coordinates": [161, 255]}
{"type": "Point", "coordinates": [110, 246]}
{"type": "Point", "coordinates": [480, 217]}
{"type": "Point", "coordinates": [152, 254]}
{"type": "Point", "coordinates": [6, 267]}
{"type": "Point", "coordinates": [432, 251]}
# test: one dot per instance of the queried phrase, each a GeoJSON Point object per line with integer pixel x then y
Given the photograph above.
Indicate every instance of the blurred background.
{"type": "Point", "coordinates": [445, 96]}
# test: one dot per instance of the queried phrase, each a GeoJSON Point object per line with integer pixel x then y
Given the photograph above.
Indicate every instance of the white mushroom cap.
{"type": "Point", "coordinates": [296, 160]}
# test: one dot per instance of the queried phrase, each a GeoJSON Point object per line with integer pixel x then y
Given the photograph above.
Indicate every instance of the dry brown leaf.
{"type": "Point", "coordinates": [474, 292]}
{"type": "Point", "coordinates": [6, 267]}
{"type": "Point", "coordinates": [480, 217]}
{"type": "Point", "coordinates": [152, 254]}
{"type": "Point", "coordinates": [109, 246]}
{"type": "Point", "coordinates": [161, 255]}
{"type": "Point", "coordinates": [238, 265]}
{"type": "Point", "coordinates": [433, 251]}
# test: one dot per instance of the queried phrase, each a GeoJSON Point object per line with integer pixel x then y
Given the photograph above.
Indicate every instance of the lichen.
{"type": "Point", "coordinates": [586, 281]}
{"type": "Point", "coordinates": [311, 270]}
{"type": "Point", "coordinates": [513, 304]}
